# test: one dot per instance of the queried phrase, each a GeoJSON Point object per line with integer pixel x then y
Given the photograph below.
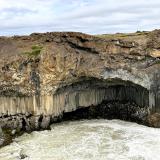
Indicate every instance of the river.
{"type": "Point", "coordinates": [87, 140]}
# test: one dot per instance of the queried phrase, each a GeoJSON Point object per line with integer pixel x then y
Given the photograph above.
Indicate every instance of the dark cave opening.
{"type": "Point", "coordinates": [123, 110]}
{"type": "Point", "coordinates": [116, 99]}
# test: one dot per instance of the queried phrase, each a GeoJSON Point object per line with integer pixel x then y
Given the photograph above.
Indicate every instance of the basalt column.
{"type": "Point", "coordinates": [106, 99]}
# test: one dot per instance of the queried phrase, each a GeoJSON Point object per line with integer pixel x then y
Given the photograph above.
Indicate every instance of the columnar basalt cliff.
{"type": "Point", "coordinates": [71, 71]}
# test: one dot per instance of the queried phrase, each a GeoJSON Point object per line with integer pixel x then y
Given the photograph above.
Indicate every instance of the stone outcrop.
{"type": "Point", "coordinates": [73, 71]}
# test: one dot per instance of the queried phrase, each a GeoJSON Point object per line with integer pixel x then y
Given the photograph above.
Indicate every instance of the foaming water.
{"type": "Point", "coordinates": [87, 140]}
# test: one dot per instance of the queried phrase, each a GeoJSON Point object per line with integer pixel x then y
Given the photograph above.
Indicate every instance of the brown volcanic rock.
{"type": "Point", "coordinates": [76, 70]}
{"type": "Point", "coordinates": [154, 120]}
{"type": "Point", "coordinates": [71, 55]}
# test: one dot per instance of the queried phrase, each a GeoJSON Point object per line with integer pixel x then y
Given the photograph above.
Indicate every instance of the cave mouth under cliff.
{"type": "Point", "coordinates": [107, 99]}
{"type": "Point", "coordinates": [123, 110]}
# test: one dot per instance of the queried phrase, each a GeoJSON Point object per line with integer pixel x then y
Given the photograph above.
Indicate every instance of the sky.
{"type": "Point", "coordinates": [23, 17]}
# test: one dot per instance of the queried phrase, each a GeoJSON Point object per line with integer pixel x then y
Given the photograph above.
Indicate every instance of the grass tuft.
{"type": "Point", "coordinates": [36, 50]}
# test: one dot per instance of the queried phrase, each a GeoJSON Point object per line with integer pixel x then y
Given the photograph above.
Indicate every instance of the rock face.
{"type": "Point", "coordinates": [44, 76]}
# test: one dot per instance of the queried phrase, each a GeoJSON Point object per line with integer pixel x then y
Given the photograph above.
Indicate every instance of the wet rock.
{"type": "Point", "coordinates": [22, 155]}
{"type": "Point", "coordinates": [34, 122]}
{"type": "Point", "coordinates": [1, 132]}
{"type": "Point", "coordinates": [1, 137]}
{"type": "Point", "coordinates": [13, 132]}
{"type": "Point", "coordinates": [45, 122]}
{"type": "Point", "coordinates": [154, 120]}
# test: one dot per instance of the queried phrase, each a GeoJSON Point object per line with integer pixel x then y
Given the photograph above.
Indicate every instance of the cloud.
{"type": "Point", "coordinates": [90, 16]}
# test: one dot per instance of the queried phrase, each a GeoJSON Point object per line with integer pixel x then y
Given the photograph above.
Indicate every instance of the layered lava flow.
{"type": "Point", "coordinates": [49, 77]}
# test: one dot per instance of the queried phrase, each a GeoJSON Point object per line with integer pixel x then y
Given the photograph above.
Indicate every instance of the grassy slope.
{"type": "Point", "coordinates": [138, 36]}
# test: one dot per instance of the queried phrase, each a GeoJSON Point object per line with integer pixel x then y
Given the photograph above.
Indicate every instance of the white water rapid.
{"type": "Point", "coordinates": [87, 140]}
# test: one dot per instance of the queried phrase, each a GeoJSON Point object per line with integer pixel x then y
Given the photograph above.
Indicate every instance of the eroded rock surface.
{"type": "Point", "coordinates": [75, 70]}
